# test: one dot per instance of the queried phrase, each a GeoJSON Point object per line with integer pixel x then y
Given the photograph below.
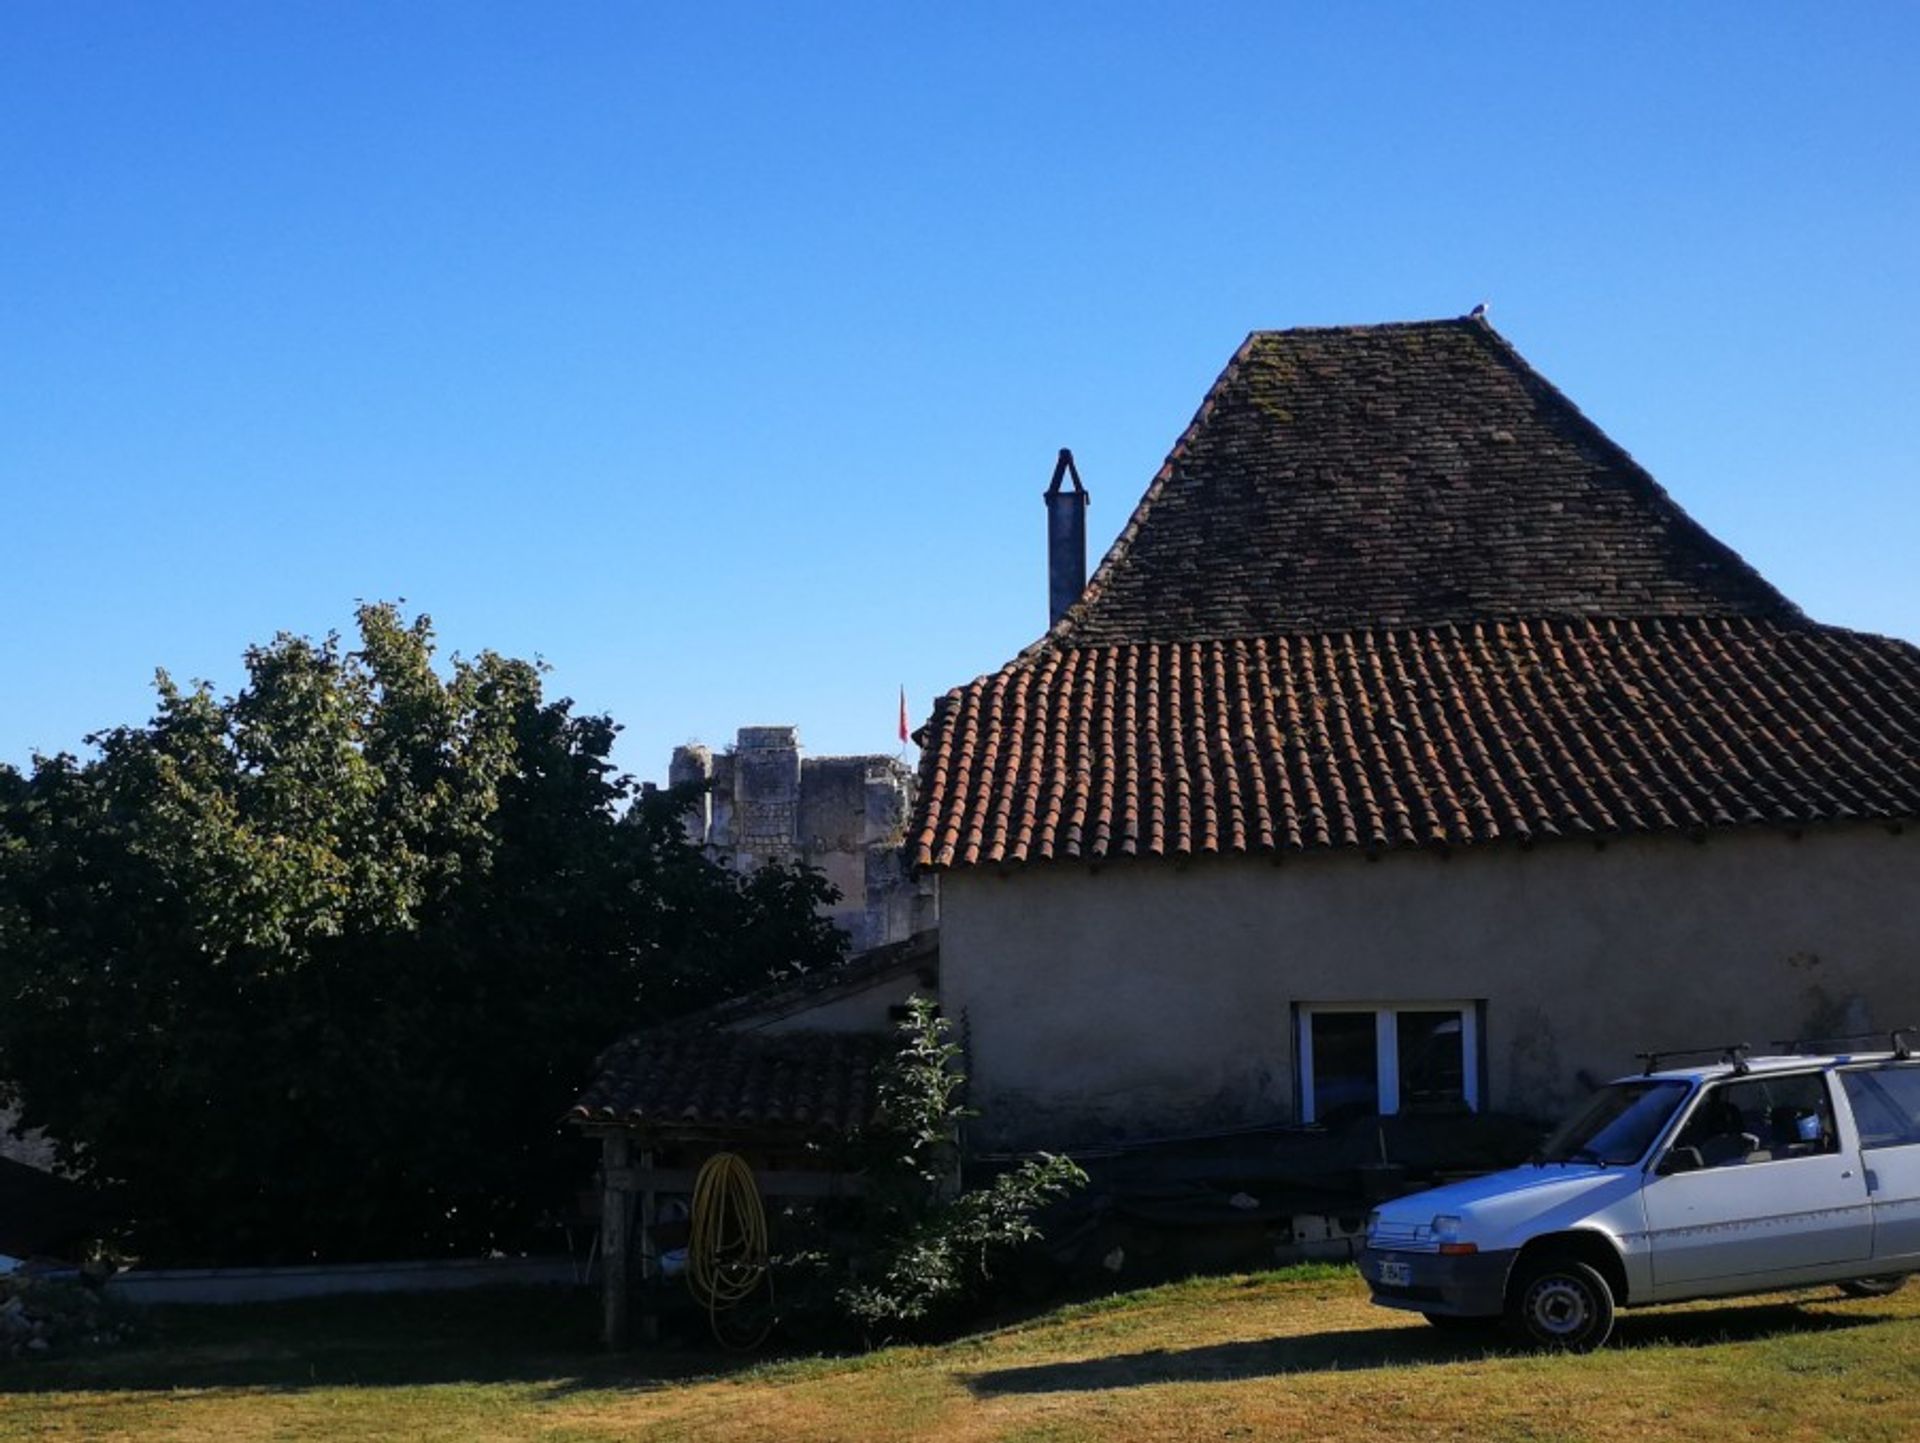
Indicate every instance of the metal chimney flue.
{"type": "Point", "coordinates": [1066, 538]}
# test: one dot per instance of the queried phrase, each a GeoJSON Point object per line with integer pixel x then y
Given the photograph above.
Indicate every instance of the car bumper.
{"type": "Point", "coordinates": [1467, 1285]}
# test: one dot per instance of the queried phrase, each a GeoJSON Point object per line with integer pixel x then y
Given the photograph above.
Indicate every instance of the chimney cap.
{"type": "Point", "coordinates": [1064, 468]}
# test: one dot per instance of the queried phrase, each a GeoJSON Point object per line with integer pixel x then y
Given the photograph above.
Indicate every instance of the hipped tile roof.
{"type": "Point", "coordinates": [705, 1081]}
{"type": "Point", "coordinates": [1437, 736]}
{"type": "Point", "coordinates": [1398, 475]}
{"type": "Point", "coordinates": [1391, 589]}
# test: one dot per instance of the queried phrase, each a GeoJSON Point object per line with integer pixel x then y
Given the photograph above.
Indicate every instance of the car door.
{"type": "Point", "coordinates": [1767, 1188]}
{"type": "Point", "coordinates": [1886, 1111]}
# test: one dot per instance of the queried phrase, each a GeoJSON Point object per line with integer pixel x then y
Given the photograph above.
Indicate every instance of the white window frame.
{"type": "Point", "coordinates": [1386, 1047]}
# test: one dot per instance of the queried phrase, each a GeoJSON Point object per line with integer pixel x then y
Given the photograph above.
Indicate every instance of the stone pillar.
{"type": "Point", "coordinates": [693, 764]}
{"type": "Point", "coordinates": [766, 795]}
{"type": "Point", "coordinates": [720, 825]}
{"type": "Point", "coordinates": [888, 802]}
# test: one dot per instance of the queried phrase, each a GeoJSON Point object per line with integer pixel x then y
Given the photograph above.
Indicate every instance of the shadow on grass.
{"type": "Point", "coordinates": [547, 1339]}
{"type": "Point", "coordinates": [1365, 1348]}
{"type": "Point", "coordinates": [537, 1336]}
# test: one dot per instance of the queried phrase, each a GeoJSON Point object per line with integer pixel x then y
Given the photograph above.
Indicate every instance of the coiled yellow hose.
{"type": "Point", "coordinates": [727, 1245]}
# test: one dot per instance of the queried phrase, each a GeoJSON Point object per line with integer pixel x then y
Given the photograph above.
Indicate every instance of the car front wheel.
{"type": "Point", "coordinates": [1563, 1304]}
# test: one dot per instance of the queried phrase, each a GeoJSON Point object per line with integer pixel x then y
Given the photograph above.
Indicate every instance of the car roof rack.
{"type": "Point", "coordinates": [1734, 1054]}
{"type": "Point", "coordinates": [1897, 1043]}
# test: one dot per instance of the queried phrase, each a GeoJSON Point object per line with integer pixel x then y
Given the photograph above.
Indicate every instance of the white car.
{"type": "Point", "coordinates": [1743, 1177]}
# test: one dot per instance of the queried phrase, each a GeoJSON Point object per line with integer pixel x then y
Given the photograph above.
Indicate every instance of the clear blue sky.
{"type": "Point", "coordinates": [719, 354]}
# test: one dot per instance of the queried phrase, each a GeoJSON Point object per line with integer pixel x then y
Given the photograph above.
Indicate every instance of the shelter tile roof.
{"type": "Point", "coordinates": [1392, 589]}
{"type": "Point", "coordinates": [710, 1081]}
{"type": "Point", "coordinates": [917, 956]}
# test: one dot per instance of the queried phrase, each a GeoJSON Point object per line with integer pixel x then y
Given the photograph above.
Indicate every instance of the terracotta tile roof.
{"type": "Point", "coordinates": [1431, 736]}
{"type": "Point", "coordinates": [1399, 475]}
{"type": "Point", "coordinates": [712, 1081]}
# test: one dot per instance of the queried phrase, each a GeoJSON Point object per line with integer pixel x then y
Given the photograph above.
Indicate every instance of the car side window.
{"type": "Point", "coordinates": [1886, 1105]}
{"type": "Point", "coordinates": [1761, 1119]}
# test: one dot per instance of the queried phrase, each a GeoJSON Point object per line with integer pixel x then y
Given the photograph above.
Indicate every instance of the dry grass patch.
{"type": "Point", "coordinates": [1295, 1355]}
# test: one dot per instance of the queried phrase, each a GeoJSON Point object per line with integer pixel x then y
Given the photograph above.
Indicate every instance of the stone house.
{"type": "Point", "coordinates": [1410, 751]}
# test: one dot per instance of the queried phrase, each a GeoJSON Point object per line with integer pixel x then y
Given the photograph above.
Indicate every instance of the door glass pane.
{"type": "Point", "coordinates": [1432, 1059]}
{"type": "Point", "coordinates": [1346, 1065]}
{"type": "Point", "coordinates": [1762, 1119]}
{"type": "Point", "coordinates": [1886, 1105]}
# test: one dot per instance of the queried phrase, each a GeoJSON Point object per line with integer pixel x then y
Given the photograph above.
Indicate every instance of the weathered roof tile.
{"type": "Point", "coordinates": [1398, 475]}
{"type": "Point", "coordinates": [717, 1081]}
{"type": "Point", "coordinates": [1429, 736]}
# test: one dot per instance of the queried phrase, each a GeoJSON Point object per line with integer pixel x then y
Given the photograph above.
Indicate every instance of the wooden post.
{"type": "Point", "coordinates": [649, 1251]}
{"type": "Point", "coordinates": [615, 1227]}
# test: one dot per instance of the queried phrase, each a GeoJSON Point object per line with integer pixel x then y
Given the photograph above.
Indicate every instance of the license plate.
{"type": "Point", "coordinates": [1395, 1275]}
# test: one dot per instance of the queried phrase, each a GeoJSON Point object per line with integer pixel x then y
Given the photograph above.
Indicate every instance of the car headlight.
{"type": "Point", "coordinates": [1446, 1232]}
{"type": "Point", "coordinates": [1373, 1222]}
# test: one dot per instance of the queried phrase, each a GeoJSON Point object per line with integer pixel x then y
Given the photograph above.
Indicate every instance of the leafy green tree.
{"type": "Point", "coordinates": [313, 971]}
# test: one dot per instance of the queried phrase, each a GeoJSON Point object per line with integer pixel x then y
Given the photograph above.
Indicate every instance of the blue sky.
{"type": "Point", "coordinates": [719, 355]}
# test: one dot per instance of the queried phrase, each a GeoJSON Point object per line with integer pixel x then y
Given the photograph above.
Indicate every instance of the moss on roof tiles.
{"type": "Point", "coordinates": [1405, 474]}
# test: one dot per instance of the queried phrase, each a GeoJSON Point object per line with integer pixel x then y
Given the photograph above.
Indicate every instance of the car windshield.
{"type": "Point", "coordinates": [1618, 1124]}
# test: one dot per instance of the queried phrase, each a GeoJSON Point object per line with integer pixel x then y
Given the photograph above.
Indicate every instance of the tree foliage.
{"type": "Point", "coordinates": [314, 970]}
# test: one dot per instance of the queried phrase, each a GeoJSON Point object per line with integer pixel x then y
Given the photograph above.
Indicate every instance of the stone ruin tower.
{"type": "Point", "coordinates": [847, 816]}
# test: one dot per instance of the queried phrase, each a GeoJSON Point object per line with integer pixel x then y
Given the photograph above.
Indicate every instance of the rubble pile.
{"type": "Point", "coordinates": [42, 1316]}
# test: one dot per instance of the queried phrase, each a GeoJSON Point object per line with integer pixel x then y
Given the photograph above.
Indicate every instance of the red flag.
{"type": "Point", "coordinates": [903, 714]}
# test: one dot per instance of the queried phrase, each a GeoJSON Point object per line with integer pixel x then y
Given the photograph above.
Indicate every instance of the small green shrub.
{"type": "Point", "coordinates": [924, 1244]}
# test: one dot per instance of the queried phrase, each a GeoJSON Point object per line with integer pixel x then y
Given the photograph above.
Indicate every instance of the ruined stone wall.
{"type": "Point", "coordinates": [764, 801]}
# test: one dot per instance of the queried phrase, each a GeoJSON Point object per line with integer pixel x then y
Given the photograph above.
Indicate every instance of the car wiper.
{"type": "Point", "coordinates": [1578, 1154]}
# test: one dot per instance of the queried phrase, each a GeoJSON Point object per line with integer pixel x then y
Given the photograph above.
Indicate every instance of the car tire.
{"type": "Point", "coordinates": [1456, 1323]}
{"type": "Point", "coordinates": [1562, 1304]}
{"type": "Point", "coordinates": [1881, 1287]}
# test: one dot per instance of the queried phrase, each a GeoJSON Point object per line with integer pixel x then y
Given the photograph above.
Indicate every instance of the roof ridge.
{"type": "Point", "coordinates": [1428, 324]}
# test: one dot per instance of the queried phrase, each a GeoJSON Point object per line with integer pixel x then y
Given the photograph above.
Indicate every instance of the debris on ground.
{"type": "Point", "coordinates": [44, 1316]}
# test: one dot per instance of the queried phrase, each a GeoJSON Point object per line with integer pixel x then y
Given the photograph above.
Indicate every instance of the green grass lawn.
{"type": "Point", "coordinates": [1295, 1354]}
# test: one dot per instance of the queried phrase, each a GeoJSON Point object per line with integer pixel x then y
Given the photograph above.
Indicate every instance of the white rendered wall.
{"type": "Point", "coordinates": [1151, 996]}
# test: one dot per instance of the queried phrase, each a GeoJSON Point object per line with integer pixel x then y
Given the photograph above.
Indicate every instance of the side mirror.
{"type": "Point", "coordinates": [1681, 1159]}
